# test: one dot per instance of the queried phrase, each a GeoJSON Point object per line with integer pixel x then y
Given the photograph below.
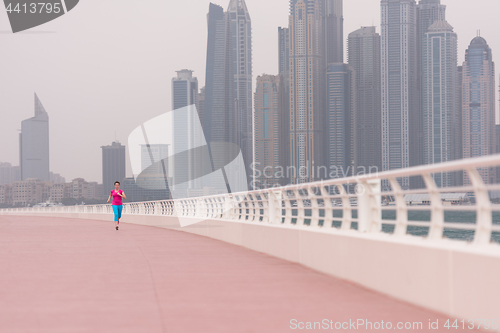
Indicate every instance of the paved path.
{"type": "Point", "coordinates": [67, 275]}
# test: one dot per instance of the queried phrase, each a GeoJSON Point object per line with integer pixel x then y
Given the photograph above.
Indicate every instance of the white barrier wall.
{"type": "Point", "coordinates": [456, 278]}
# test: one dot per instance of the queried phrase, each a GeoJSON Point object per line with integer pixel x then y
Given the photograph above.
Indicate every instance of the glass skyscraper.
{"type": "Point", "coordinates": [307, 89]}
{"type": "Point", "coordinates": [439, 95]}
{"type": "Point", "coordinates": [364, 58]}
{"type": "Point", "coordinates": [241, 42]}
{"type": "Point", "coordinates": [34, 145]}
{"type": "Point", "coordinates": [478, 103]}
{"type": "Point", "coordinates": [400, 90]}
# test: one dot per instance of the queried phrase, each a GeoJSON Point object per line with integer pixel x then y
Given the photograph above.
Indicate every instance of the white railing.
{"type": "Point", "coordinates": [327, 206]}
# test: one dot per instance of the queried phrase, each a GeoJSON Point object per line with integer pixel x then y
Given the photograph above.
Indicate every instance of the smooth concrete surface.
{"type": "Point", "coordinates": [449, 277]}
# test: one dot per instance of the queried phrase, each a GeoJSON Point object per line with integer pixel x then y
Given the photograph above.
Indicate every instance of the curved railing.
{"type": "Point", "coordinates": [330, 205]}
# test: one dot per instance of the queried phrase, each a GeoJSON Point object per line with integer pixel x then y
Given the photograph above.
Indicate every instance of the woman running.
{"type": "Point", "coordinates": [117, 196]}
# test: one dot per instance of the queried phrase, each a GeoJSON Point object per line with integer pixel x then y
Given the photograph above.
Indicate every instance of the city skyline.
{"type": "Point", "coordinates": [82, 94]}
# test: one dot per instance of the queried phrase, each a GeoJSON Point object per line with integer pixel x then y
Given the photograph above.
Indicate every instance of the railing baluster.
{"type": "Point", "coordinates": [483, 208]}
{"type": "Point", "coordinates": [437, 211]}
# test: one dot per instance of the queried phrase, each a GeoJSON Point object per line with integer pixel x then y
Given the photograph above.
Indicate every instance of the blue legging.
{"type": "Point", "coordinates": [118, 211]}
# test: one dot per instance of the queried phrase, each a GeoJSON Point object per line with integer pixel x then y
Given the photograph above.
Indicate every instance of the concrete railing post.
{"type": "Point", "coordinates": [369, 206]}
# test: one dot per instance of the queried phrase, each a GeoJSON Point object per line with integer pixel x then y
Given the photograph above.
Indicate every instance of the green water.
{"type": "Point", "coordinates": [465, 217]}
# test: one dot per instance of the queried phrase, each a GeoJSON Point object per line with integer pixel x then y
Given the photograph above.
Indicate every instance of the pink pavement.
{"type": "Point", "coordinates": [69, 275]}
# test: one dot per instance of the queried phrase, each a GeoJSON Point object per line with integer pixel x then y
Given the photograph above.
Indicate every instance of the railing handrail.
{"type": "Point", "coordinates": [289, 206]}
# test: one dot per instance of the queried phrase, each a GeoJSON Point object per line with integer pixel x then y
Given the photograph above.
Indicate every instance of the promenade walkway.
{"type": "Point", "coordinates": [69, 275]}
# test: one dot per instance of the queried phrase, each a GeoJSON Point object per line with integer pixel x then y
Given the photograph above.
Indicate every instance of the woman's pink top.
{"type": "Point", "coordinates": [117, 200]}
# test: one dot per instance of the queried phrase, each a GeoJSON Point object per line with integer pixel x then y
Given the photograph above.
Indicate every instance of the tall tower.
{"type": "Point", "coordinates": [439, 95]}
{"type": "Point", "coordinates": [270, 132]}
{"type": "Point", "coordinates": [34, 145]}
{"type": "Point", "coordinates": [241, 37]}
{"type": "Point", "coordinates": [341, 120]}
{"type": "Point", "coordinates": [400, 91]}
{"type": "Point", "coordinates": [186, 134]}
{"type": "Point", "coordinates": [284, 54]}
{"type": "Point", "coordinates": [113, 166]}
{"type": "Point", "coordinates": [478, 102]}
{"type": "Point", "coordinates": [364, 58]}
{"type": "Point", "coordinates": [428, 12]}
{"type": "Point", "coordinates": [307, 72]}
{"type": "Point", "coordinates": [334, 31]}
{"type": "Point", "coordinates": [219, 118]}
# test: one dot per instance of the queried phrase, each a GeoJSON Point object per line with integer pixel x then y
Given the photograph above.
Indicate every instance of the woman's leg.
{"type": "Point", "coordinates": [115, 211]}
{"type": "Point", "coordinates": [120, 209]}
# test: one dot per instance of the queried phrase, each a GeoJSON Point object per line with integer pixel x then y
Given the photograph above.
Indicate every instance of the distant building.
{"type": "Point", "coordinates": [8, 174]}
{"type": "Point", "coordinates": [270, 132]}
{"type": "Point", "coordinates": [201, 105]}
{"type": "Point", "coordinates": [478, 102]}
{"type": "Point", "coordinates": [30, 192]}
{"type": "Point", "coordinates": [364, 58]}
{"type": "Point", "coordinates": [284, 54]}
{"type": "Point", "coordinates": [113, 166]}
{"type": "Point", "coordinates": [439, 96]}
{"type": "Point", "coordinates": [219, 114]}
{"type": "Point", "coordinates": [136, 193]}
{"type": "Point", "coordinates": [333, 25]}
{"type": "Point", "coordinates": [307, 90]}
{"type": "Point", "coordinates": [57, 178]}
{"type": "Point", "coordinates": [241, 46]}
{"type": "Point", "coordinates": [341, 123]}
{"type": "Point", "coordinates": [457, 177]}
{"type": "Point", "coordinates": [186, 134]}
{"type": "Point", "coordinates": [401, 113]}
{"type": "Point", "coordinates": [34, 145]}
{"type": "Point", "coordinates": [155, 175]}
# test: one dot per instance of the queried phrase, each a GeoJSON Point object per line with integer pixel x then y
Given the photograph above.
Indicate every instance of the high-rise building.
{"type": "Point", "coordinates": [185, 131]}
{"type": "Point", "coordinates": [333, 25]}
{"type": "Point", "coordinates": [241, 37]}
{"type": "Point", "coordinates": [439, 95]}
{"type": "Point", "coordinates": [341, 123]}
{"type": "Point", "coordinates": [307, 89]}
{"type": "Point", "coordinates": [284, 71]}
{"type": "Point", "coordinates": [364, 58]}
{"type": "Point", "coordinates": [219, 119]}
{"type": "Point", "coordinates": [401, 114]}
{"type": "Point", "coordinates": [113, 166]}
{"type": "Point", "coordinates": [34, 145]}
{"type": "Point", "coordinates": [478, 102]}
{"type": "Point", "coordinates": [457, 177]}
{"type": "Point", "coordinates": [9, 173]}
{"type": "Point", "coordinates": [284, 54]}
{"type": "Point", "coordinates": [271, 132]}
{"type": "Point", "coordinates": [201, 105]}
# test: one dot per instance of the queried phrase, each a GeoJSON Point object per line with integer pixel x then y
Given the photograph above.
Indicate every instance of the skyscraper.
{"type": "Point", "coordinates": [457, 177]}
{"type": "Point", "coordinates": [241, 37]}
{"type": "Point", "coordinates": [284, 54]}
{"type": "Point", "coordinates": [307, 89]}
{"type": "Point", "coordinates": [439, 95]}
{"type": "Point", "coordinates": [401, 130]}
{"type": "Point", "coordinates": [34, 145]}
{"type": "Point", "coordinates": [219, 120]}
{"type": "Point", "coordinates": [364, 58]}
{"type": "Point", "coordinates": [428, 12]}
{"type": "Point", "coordinates": [334, 31]}
{"type": "Point", "coordinates": [478, 102]}
{"type": "Point", "coordinates": [271, 132]}
{"type": "Point", "coordinates": [341, 120]}
{"type": "Point", "coordinates": [113, 166]}
{"type": "Point", "coordinates": [186, 134]}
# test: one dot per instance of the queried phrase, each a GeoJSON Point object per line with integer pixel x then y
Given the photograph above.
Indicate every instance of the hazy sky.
{"type": "Point", "coordinates": [105, 67]}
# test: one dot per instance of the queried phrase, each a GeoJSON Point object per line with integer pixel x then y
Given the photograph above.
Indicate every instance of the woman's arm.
{"type": "Point", "coordinates": [123, 195]}
{"type": "Point", "coordinates": [109, 198]}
